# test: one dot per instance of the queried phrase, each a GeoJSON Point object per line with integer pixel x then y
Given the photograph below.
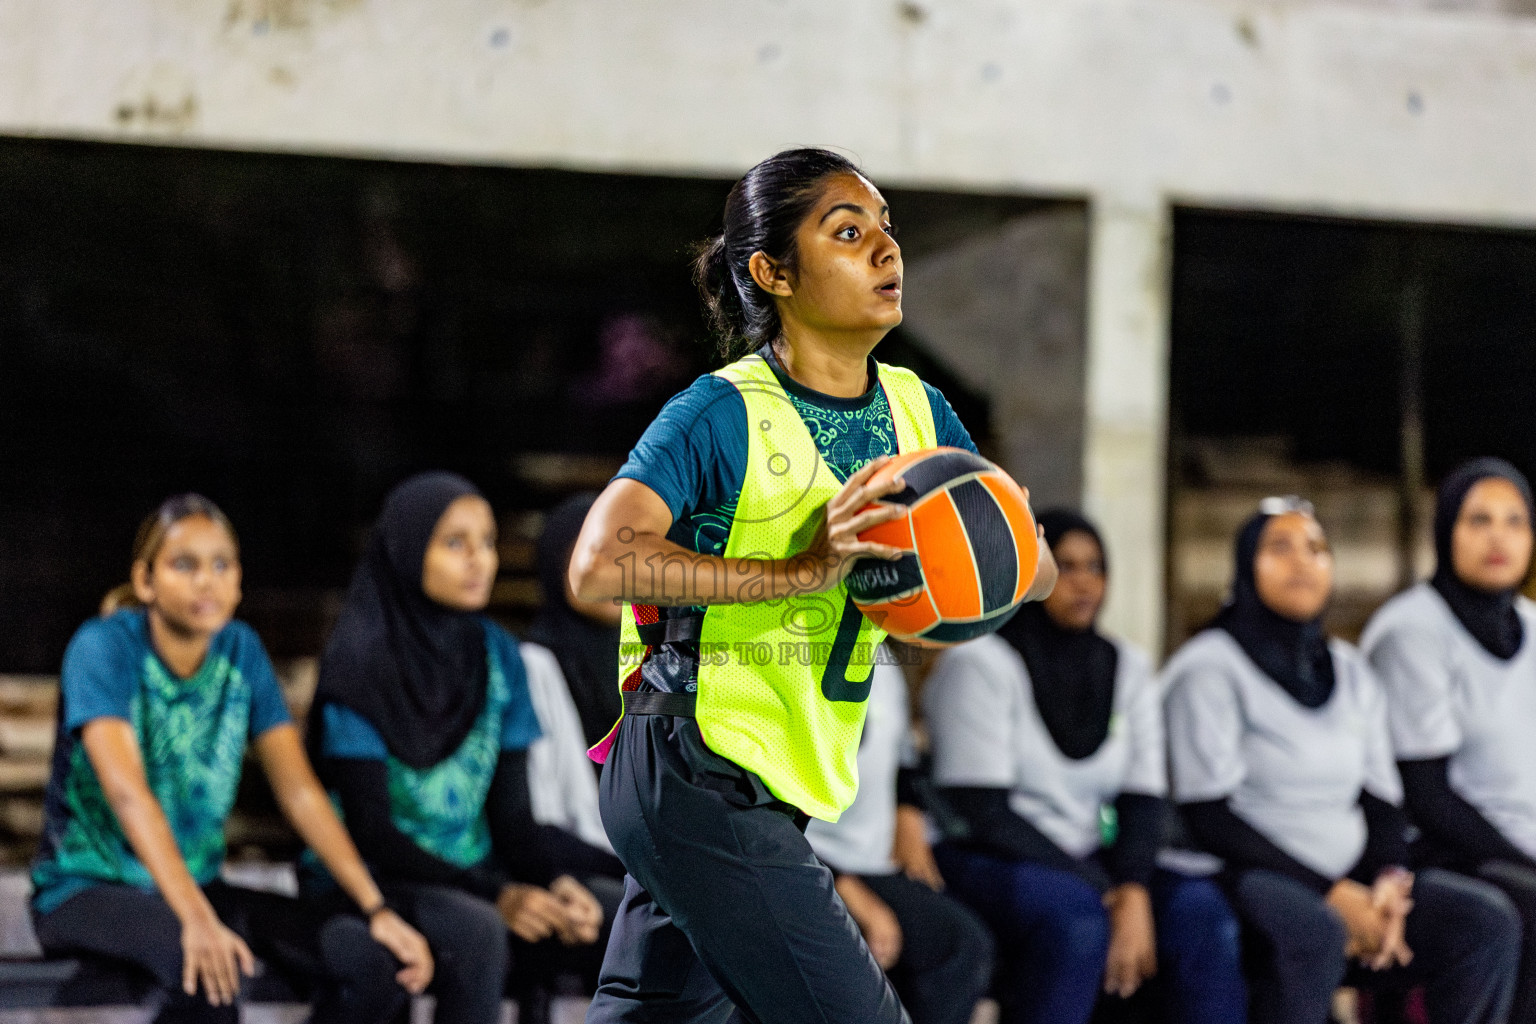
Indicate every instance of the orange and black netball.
{"type": "Point", "coordinates": [969, 544]}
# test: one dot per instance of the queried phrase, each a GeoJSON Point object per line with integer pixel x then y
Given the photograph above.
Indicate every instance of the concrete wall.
{"type": "Point", "coordinates": [1133, 104]}
{"type": "Point", "coordinates": [1006, 310]}
{"type": "Point", "coordinates": [1520, 8]}
{"type": "Point", "coordinates": [1323, 108]}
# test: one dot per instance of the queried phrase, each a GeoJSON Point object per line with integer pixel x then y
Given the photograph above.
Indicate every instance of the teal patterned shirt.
{"type": "Point", "coordinates": [192, 734]}
{"type": "Point", "coordinates": [442, 807]}
{"type": "Point", "coordinates": [695, 453]}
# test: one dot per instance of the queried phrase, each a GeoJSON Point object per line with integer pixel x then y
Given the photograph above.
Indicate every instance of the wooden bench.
{"type": "Point", "coordinates": [37, 983]}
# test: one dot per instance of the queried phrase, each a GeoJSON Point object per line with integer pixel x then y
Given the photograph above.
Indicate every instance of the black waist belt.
{"type": "Point", "coordinates": [660, 702]}
{"type": "Point", "coordinates": [671, 631]}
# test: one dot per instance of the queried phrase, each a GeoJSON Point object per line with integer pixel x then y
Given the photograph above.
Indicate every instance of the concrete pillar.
{"type": "Point", "coordinates": [1126, 408]}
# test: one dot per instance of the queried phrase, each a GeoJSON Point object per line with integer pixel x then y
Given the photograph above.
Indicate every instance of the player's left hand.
{"type": "Point", "coordinates": [836, 545]}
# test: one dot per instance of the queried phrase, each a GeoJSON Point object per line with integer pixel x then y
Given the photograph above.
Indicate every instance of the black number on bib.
{"type": "Point", "coordinates": [835, 684]}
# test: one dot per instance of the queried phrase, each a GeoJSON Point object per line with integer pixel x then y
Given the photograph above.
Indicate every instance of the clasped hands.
{"type": "Point", "coordinates": [1375, 918]}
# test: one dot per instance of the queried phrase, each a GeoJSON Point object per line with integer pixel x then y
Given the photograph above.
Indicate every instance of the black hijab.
{"type": "Point", "coordinates": [1491, 618]}
{"type": "Point", "coordinates": [413, 668]}
{"type": "Point", "coordinates": [1071, 672]}
{"type": "Point", "coordinates": [1293, 654]}
{"type": "Point", "coordinates": [588, 651]}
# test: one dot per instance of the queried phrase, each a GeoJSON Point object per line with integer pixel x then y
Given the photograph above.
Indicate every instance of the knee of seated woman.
{"type": "Point", "coordinates": [484, 928]}
{"type": "Point", "coordinates": [1319, 933]}
{"type": "Point", "coordinates": [975, 941]}
{"type": "Point", "coordinates": [462, 931]}
{"type": "Point", "coordinates": [351, 953]}
{"type": "Point", "coordinates": [1312, 936]}
{"type": "Point", "coordinates": [1297, 921]}
{"type": "Point", "coordinates": [1077, 929]}
{"type": "Point", "coordinates": [366, 974]}
{"type": "Point", "coordinates": [972, 945]}
{"type": "Point", "coordinates": [1469, 907]}
{"type": "Point", "coordinates": [1192, 916]}
{"type": "Point", "coordinates": [1516, 882]}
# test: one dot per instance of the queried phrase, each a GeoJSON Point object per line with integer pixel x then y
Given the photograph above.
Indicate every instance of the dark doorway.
{"type": "Point", "coordinates": [292, 335]}
{"type": "Point", "coordinates": [1307, 355]}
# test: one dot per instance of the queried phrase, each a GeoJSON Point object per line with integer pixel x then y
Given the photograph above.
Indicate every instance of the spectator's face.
{"type": "Point", "coordinates": [1293, 570]}
{"type": "Point", "coordinates": [1491, 542]}
{"type": "Point", "coordinates": [1080, 582]}
{"type": "Point", "coordinates": [193, 581]}
{"type": "Point", "coordinates": [460, 565]}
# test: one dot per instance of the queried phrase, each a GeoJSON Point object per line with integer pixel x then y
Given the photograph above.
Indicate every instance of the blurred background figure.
{"type": "Point", "coordinates": [571, 653]}
{"type": "Point", "coordinates": [1282, 766]}
{"type": "Point", "coordinates": [1460, 678]}
{"type": "Point", "coordinates": [582, 635]}
{"type": "Point", "coordinates": [422, 722]}
{"type": "Point", "coordinates": [161, 696]}
{"type": "Point", "coordinates": [1048, 745]}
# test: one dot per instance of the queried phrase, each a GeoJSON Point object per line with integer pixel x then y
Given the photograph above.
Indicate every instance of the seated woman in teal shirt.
{"type": "Point", "coordinates": [421, 726]}
{"type": "Point", "coordinates": [158, 704]}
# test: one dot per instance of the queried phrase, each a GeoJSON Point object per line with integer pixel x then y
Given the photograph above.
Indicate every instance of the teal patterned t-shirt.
{"type": "Point", "coordinates": [192, 734]}
{"type": "Point", "coordinates": [694, 456]}
{"type": "Point", "coordinates": [442, 807]}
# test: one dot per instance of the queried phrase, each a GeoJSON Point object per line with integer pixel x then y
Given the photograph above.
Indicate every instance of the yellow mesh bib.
{"type": "Point", "coordinates": [783, 684]}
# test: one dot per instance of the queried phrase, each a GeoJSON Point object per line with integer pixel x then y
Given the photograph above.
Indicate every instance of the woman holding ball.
{"type": "Point", "coordinates": [731, 528]}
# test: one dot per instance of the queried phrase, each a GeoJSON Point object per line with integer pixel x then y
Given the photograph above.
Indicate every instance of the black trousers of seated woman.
{"type": "Point", "coordinates": [1464, 933]}
{"type": "Point", "coordinates": [479, 961]}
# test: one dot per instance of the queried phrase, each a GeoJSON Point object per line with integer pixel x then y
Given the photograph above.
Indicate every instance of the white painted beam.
{"type": "Point", "coordinates": [1126, 415]}
{"type": "Point", "coordinates": [1323, 108]}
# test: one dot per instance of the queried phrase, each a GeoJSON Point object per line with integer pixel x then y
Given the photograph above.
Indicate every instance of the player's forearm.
{"type": "Point", "coordinates": [114, 755]}
{"type": "Point", "coordinates": [149, 836]}
{"type": "Point", "coordinates": [649, 569]}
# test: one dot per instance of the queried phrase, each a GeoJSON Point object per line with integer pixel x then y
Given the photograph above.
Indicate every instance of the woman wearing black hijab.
{"type": "Point", "coordinates": [1048, 743]}
{"type": "Point", "coordinates": [1460, 674]}
{"type": "Point", "coordinates": [421, 725]}
{"type": "Point", "coordinates": [1281, 762]}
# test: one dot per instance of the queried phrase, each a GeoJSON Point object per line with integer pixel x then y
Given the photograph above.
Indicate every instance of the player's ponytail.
{"type": "Point", "coordinates": [762, 213]}
{"type": "Point", "coordinates": [722, 304]}
{"type": "Point", "coordinates": [151, 535]}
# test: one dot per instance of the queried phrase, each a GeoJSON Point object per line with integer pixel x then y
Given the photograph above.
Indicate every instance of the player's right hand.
{"type": "Point", "coordinates": [836, 545]}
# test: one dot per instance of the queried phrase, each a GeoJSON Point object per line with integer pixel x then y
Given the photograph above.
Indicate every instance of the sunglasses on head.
{"type": "Point", "coordinates": [1284, 504]}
